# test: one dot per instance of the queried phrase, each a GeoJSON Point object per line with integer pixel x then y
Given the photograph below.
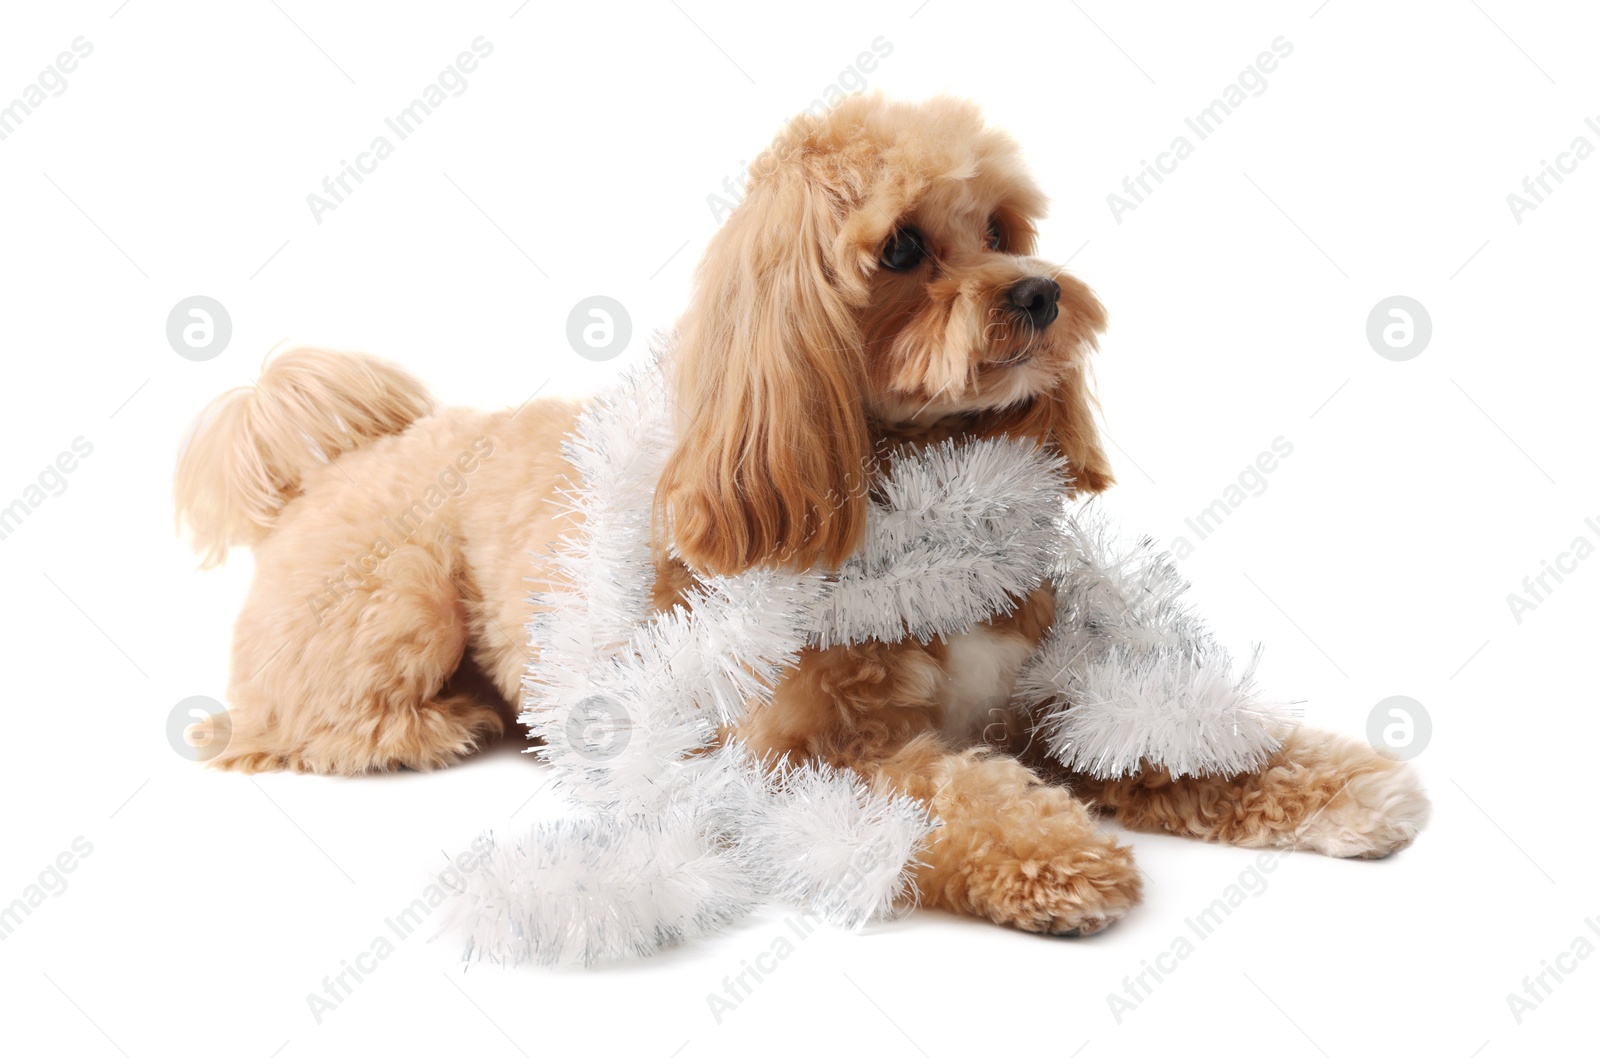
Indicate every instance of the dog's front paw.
{"type": "Point", "coordinates": [1375, 804]}
{"type": "Point", "coordinates": [1064, 880]}
{"type": "Point", "coordinates": [1074, 895]}
{"type": "Point", "coordinates": [1021, 852]}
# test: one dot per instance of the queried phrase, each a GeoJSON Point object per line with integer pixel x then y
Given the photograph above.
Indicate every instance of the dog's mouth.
{"type": "Point", "coordinates": [999, 382]}
{"type": "Point", "coordinates": [1031, 349]}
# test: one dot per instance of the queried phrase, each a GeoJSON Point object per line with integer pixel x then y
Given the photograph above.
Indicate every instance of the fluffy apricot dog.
{"type": "Point", "coordinates": [878, 286]}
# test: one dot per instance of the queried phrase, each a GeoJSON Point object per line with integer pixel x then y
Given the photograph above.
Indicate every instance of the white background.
{"type": "Point", "coordinates": [1377, 561]}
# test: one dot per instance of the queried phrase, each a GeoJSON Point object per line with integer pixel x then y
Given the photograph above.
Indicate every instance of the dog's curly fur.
{"type": "Point", "coordinates": [392, 539]}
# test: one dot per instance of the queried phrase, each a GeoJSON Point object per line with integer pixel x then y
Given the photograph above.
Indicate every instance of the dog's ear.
{"type": "Point", "coordinates": [1066, 418]}
{"type": "Point", "coordinates": [770, 377]}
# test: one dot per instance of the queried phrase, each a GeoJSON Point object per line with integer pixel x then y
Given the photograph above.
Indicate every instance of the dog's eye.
{"type": "Point", "coordinates": [997, 236]}
{"type": "Point", "coordinates": [904, 250]}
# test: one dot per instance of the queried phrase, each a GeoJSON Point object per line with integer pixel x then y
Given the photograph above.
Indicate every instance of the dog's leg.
{"type": "Point", "coordinates": [1320, 791]}
{"type": "Point", "coordinates": [1011, 848]}
{"type": "Point", "coordinates": [352, 680]}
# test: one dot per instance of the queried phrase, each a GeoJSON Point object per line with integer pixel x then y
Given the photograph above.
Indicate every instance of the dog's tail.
{"type": "Point", "coordinates": [245, 455]}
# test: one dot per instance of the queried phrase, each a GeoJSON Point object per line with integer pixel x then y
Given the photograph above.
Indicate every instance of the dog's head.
{"type": "Point", "coordinates": [877, 282]}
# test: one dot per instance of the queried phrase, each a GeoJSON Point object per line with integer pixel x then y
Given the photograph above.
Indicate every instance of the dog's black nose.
{"type": "Point", "coordinates": [1035, 297]}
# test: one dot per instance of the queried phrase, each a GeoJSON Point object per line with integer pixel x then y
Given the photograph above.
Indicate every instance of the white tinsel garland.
{"type": "Point", "coordinates": [592, 889]}
{"type": "Point", "coordinates": [1132, 673]}
{"type": "Point", "coordinates": [955, 533]}
{"type": "Point", "coordinates": [675, 836]}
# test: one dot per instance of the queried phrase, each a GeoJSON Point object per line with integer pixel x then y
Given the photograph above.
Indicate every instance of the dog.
{"type": "Point", "coordinates": [876, 288]}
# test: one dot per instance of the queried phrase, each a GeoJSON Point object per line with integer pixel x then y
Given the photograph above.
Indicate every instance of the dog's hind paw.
{"type": "Point", "coordinates": [1377, 811]}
